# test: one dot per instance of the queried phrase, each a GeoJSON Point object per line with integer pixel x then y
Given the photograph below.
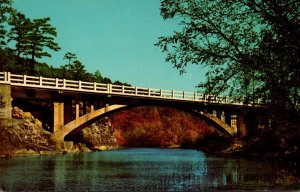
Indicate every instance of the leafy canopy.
{"type": "Point", "coordinates": [250, 46]}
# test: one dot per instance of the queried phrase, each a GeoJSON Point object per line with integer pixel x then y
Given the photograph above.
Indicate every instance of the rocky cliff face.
{"type": "Point", "coordinates": [99, 135]}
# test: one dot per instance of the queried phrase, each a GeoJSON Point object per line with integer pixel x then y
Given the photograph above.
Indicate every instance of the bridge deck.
{"type": "Point", "coordinates": [111, 89]}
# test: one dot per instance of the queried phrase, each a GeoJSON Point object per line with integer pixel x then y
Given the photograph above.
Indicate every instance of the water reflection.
{"type": "Point", "coordinates": [136, 170]}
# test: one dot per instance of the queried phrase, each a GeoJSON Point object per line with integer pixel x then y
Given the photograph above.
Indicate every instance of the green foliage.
{"type": "Point", "coordinates": [70, 57]}
{"type": "Point", "coordinates": [31, 37]}
{"type": "Point", "coordinates": [251, 47]}
{"type": "Point", "coordinates": [20, 27]}
{"type": "Point", "coordinates": [40, 36]}
{"type": "Point", "coordinates": [5, 9]}
{"type": "Point", "coordinates": [77, 69]}
{"type": "Point", "coordinates": [7, 60]}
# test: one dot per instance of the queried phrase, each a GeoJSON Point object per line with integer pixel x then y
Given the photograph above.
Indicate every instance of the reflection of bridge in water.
{"type": "Point", "coordinates": [76, 103]}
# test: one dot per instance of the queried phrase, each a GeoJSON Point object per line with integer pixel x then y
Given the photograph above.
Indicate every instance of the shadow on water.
{"type": "Point", "coordinates": [136, 170]}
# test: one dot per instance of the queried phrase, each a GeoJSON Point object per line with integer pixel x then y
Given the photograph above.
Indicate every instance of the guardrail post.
{"type": "Point", "coordinates": [5, 76]}
{"type": "Point", "coordinates": [149, 92]}
{"type": "Point", "coordinates": [160, 92]}
{"type": "Point", "coordinates": [195, 96]}
{"type": "Point", "coordinates": [183, 94]}
{"type": "Point", "coordinates": [41, 81]}
{"type": "Point", "coordinates": [8, 76]}
{"type": "Point", "coordinates": [173, 94]}
{"type": "Point", "coordinates": [24, 79]}
{"type": "Point", "coordinates": [79, 84]}
{"type": "Point", "coordinates": [109, 88]}
{"type": "Point", "coordinates": [64, 83]}
{"type": "Point", "coordinates": [122, 88]}
{"type": "Point", "coordinates": [95, 86]}
{"type": "Point", "coordinates": [136, 91]}
{"type": "Point", "coordinates": [56, 82]}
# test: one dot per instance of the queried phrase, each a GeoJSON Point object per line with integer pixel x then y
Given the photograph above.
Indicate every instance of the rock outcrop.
{"type": "Point", "coordinates": [99, 135]}
{"type": "Point", "coordinates": [23, 134]}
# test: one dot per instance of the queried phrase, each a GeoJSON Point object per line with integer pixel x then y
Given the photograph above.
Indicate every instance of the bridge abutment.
{"type": "Point", "coordinates": [5, 101]}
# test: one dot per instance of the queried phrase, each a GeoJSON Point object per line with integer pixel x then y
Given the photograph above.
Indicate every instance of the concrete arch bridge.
{"type": "Point", "coordinates": [75, 103]}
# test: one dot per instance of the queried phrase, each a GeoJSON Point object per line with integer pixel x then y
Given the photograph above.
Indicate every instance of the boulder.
{"type": "Point", "coordinates": [20, 114]}
{"type": "Point", "coordinates": [17, 113]}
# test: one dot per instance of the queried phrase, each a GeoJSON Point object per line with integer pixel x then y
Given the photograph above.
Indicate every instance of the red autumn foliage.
{"type": "Point", "coordinates": [158, 127]}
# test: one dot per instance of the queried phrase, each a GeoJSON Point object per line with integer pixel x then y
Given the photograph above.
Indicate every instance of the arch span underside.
{"type": "Point", "coordinates": [78, 124]}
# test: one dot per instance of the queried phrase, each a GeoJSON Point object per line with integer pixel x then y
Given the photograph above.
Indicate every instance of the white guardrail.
{"type": "Point", "coordinates": [94, 87]}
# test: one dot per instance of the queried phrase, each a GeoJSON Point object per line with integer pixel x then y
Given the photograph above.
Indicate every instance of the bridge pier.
{"type": "Point", "coordinates": [233, 122]}
{"type": "Point", "coordinates": [77, 110]}
{"type": "Point", "coordinates": [5, 101]}
{"type": "Point", "coordinates": [58, 116]}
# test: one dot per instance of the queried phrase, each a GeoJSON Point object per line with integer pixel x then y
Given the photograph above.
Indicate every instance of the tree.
{"type": "Point", "coordinates": [77, 70]}
{"type": "Point", "coordinates": [71, 57]}
{"type": "Point", "coordinates": [40, 36]}
{"type": "Point", "coordinates": [5, 53]}
{"type": "Point", "coordinates": [20, 27]}
{"type": "Point", "coordinates": [5, 8]}
{"type": "Point", "coordinates": [98, 77]}
{"type": "Point", "coordinates": [247, 43]}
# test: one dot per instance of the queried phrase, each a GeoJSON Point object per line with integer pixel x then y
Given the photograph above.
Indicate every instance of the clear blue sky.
{"type": "Point", "coordinates": [116, 37]}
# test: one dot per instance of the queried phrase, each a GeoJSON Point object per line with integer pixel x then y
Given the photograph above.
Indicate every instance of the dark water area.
{"type": "Point", "coordinates": [138, 170]}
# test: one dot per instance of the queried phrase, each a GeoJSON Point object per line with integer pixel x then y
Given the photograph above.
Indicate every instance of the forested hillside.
{"type": "Point", "coordinates": [158, 127]}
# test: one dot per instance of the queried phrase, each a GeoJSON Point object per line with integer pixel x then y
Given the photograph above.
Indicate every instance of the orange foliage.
{"type": "Point", "coordinates": [157, 127]}
{"type": "Point", "coordinates": [119, 139]}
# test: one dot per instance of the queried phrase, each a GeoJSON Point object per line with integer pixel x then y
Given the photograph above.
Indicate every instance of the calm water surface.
{"type": "Point", "coordinates": [137, 170]}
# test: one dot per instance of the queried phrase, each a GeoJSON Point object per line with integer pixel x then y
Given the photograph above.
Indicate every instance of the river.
{"type": "Point", "coordinates": [137, 169]}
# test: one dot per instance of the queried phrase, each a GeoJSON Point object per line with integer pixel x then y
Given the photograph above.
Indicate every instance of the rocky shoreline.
{"type": "Point", "coordinates": [23, 135]}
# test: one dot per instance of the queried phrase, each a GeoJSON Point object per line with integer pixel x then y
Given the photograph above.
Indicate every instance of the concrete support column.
{"type": "Point", "coordinates": [233, 121]}
{"type": "Point", "coordinates": [92, 108]}
{"type": "Point", "coordinates": [58, 116]}
{"type": "Point", "coordinates": [77, 106]}
{"type": "Point", "coordinates": [223, 116]}
{"type": "Point", "coordinates": [5, 101]}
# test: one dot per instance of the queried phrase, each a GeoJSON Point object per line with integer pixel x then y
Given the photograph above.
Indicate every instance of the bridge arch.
{"type": "Point", "coordinates": [78, 124]}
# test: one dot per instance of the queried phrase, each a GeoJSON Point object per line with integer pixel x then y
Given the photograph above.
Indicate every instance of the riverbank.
{"type": "Point", "coordinates": [284, 158]}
